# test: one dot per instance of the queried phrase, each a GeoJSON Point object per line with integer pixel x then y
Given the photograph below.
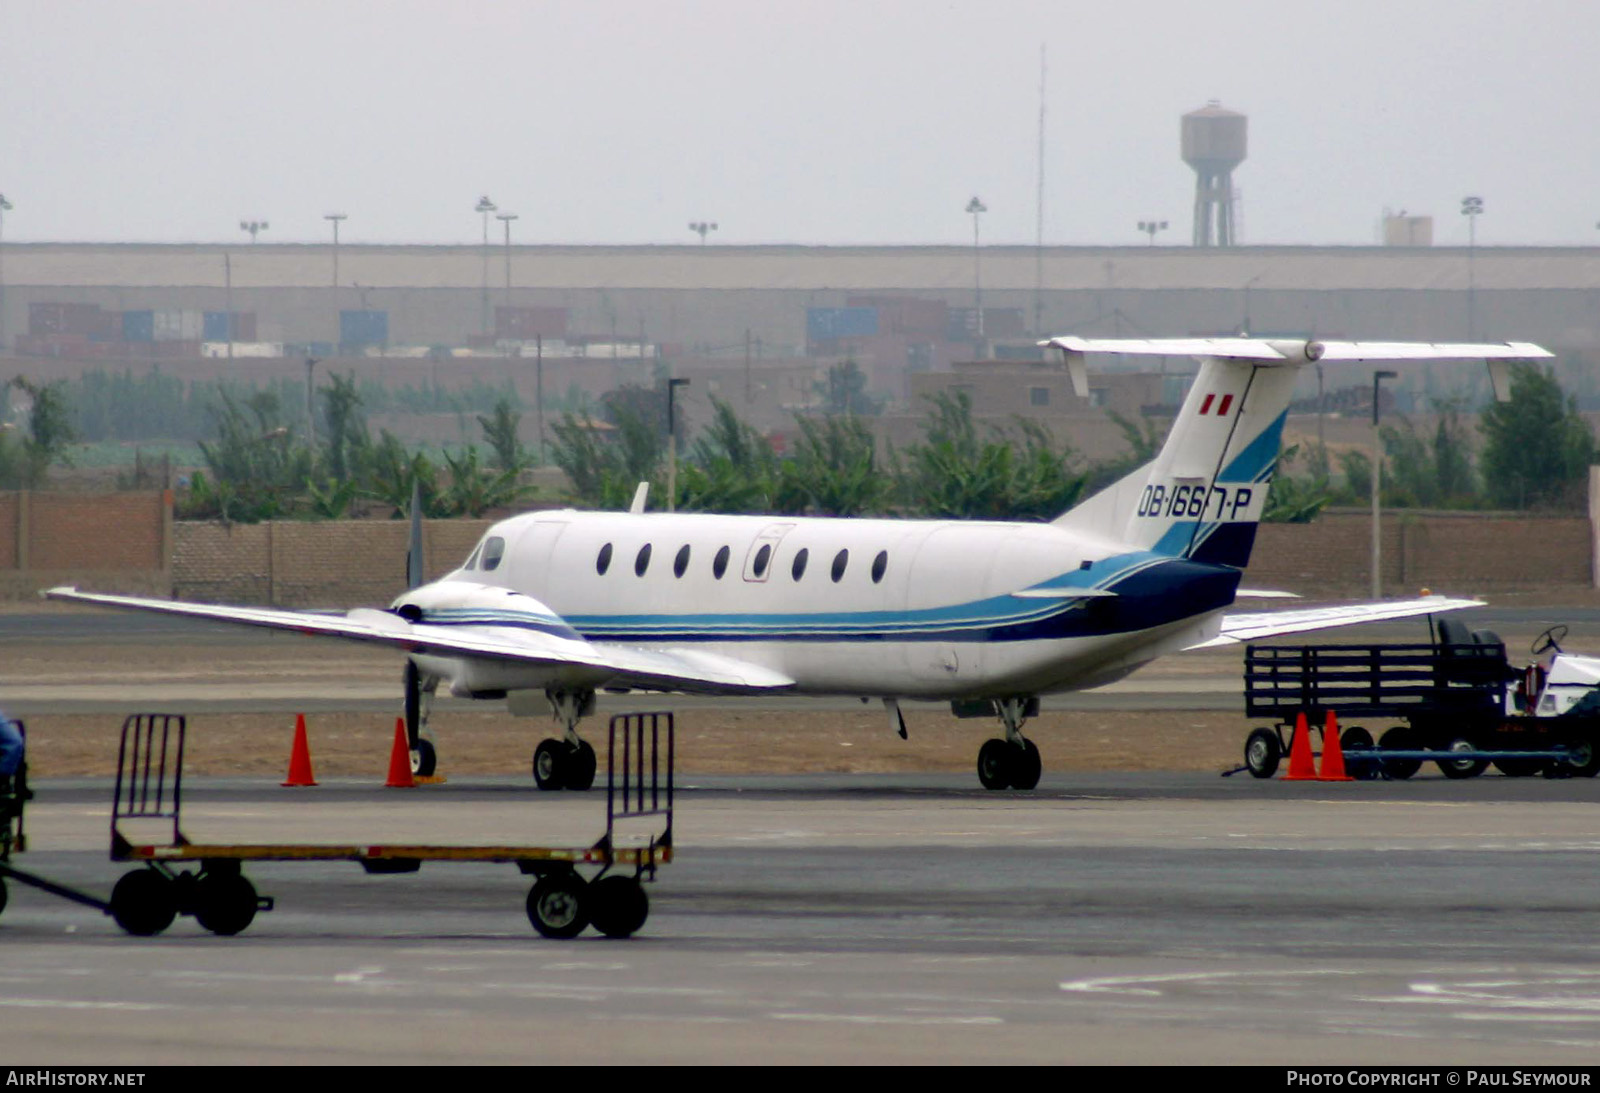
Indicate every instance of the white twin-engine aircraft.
{"type": "Point", "coordinates": [552, 606]}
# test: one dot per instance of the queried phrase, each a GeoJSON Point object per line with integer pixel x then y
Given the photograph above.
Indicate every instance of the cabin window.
{"type": "Point", "coordinates": [719, 564]}
{"type": "Point", "coordinates": [494, 548]}
{"type": "Point", "coordinates": [642, 562]}
{"type": "Point", "coordinates": [763, 556]}
{"type": "Point", "coordinates": [880, 565]}
{"type": "Point", "coordinates": [840, 560]}
{"type": "Point", "coordinates": [798, 570]}
{"type": "Point", "coordinates": [603, 563]}
{"type": "Point", "coordinates": [681, 562]}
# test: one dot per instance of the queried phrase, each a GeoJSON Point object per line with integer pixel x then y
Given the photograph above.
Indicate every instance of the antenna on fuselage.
{"type": "Point", "coordinates": [415, 563]}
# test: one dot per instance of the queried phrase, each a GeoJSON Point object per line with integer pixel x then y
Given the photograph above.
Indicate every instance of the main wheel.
{"type": "Point", "coordinates": [1584, 761]}
{"type": "Point", "coordinates": [1462, 768]}
{"type": "Point", "coordinates": [994, 764]}
{"type": "Point", "coordinates": [1356, 744]}
{"type": "Point", "coordinates": [225, 904]}
{"type": "Point", "coordinates": [1026, 766]}
{"type": "Point", "coordinates": [558, 905]}
{"type": "Point", "coordinates": [1399, 739]}
{"type": "Point", "coordinates": [1519, 768]}
{"type": "Point", "coordinates": [143, 903]}
{"type": "Point", "coordinates": [617, 905]}
{"type": "Point", "coordinates": [580, 766]}
{"type": "Point", "coordinates": [424, 759]}
{"type": "Point", "coordinates": [550, 764]}
{"type": "Point", "coordinates": [1262, 752]}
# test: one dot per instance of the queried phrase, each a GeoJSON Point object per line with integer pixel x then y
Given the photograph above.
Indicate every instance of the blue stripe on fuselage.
{"type": "Point", "coordinates": [1152, 592]}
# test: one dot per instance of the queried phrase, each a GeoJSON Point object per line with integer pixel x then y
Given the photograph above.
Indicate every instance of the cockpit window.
{"type": "Point", "coordinates": [494, 548]}
{"type": "Point", "coordinates": [472, 559]}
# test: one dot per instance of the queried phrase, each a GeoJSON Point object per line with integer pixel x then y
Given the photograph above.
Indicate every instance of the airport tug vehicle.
{"type": "Point", "coordinates": [1462, 704]}
{"type": "Point", "coordinates": [575, 887]}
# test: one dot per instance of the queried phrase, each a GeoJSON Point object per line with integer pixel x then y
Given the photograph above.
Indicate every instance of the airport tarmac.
{"type": "Point", "coordinates": [1117, 918]}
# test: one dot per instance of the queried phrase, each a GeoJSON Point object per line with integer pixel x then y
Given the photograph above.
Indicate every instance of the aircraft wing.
{"type": "Point", "coordinates": [1254, 626]}
{"type": "Point", "coordinates": [655, 668]}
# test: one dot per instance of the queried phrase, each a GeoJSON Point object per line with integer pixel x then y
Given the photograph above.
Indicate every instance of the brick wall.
{"type": "Point", "coordinates": [118, 542]}
{"type": "Point", "coordinates": [1446, 552]}
{"type": "Point", "coordinates": [334, 563]}
{"type": "Point", "coordinates": [114, 543]}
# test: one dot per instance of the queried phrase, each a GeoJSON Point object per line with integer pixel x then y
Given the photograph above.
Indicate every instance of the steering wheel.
{"type": "Point", "coordinates": [1550, 639]}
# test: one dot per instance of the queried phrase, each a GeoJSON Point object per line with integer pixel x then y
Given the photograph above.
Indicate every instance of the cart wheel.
{"type": "Point", "coordinates": [558, 905]}
{"type": "Point", "coordinates": [1584, 762]}
{"type": "Point", "coordinates": [225, 904]}
{"type": "Point", "coordinates": [1262, 751]}
{"type": "Point", "coordinates": [549, 764]}
{"type": "Point", "coordinates": [143, 903]}
{"type": "Point", "coordinates": [425, 759]}
{"type": "Point", "coordinates": [994, 764]}
{"type": "Point", "coordinates": [1399, 738]}
{"type": "Point", "coordinates": [580, 766]}
{"type": "Point", "coordinates": [617, 905]}
{"type": "Point", "coordinates": [1462, 768]}
{"type": "Point", "coordinates": [1353, 742]}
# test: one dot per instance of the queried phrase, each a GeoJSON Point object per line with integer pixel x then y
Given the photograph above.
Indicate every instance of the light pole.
{"type": "Point", "coordinates": [252, 226]}
{"type": "Point", "coordinates": [335, 219]}
{"type": "Point", "coordinates": [977, 208]}
{"type": "Point", "coordinates": [672, 442]}
{"type": "Point", "coordinates": [702, 228]}
{"type": "Point", "coordinates": [1471, 208]}
{"type": "Point", "coordinates": [1150, 227]}
{"type": "Point", "coordinates": [5, 207]}
{"type": "Point", "coordinates": [506, 219]}
{"type": "Point", "coordinates": [1377, 482]}
{"type": "Point", "coordinates": [485, 206]}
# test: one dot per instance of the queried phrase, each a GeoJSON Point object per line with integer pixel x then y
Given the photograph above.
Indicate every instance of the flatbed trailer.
{"type": "Point", "coordinates": [1458, 703]}
{"type": "Point", "coordinates": [561, 903]}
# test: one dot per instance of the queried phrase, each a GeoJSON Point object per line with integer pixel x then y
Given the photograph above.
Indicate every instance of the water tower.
{"type": "Point", "coordinates": [1213, 144]}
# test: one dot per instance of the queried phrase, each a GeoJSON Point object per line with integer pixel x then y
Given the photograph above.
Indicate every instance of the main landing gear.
{"type": "Point", "coordinates": [568, 763]}
{"type": "Point", "coordinates": [1012, 763]}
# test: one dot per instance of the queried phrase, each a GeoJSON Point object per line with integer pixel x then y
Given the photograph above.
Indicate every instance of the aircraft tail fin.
{"type": "Point", "coordinates": [1203, 495]}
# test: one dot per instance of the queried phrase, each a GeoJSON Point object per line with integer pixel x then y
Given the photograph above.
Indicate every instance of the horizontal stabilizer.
{"type": "Point", "coordinates": [1271, 624]}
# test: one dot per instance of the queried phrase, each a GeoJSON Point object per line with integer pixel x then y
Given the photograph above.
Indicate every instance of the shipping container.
{"type": "Point", "coordinates": [520, 323]}
{"type": "Point", "coordinates": [906, 314]}
{"type": "Point", "coordinates": [46, 319]}
{"type": "Point", "coordinates": [177, 324]}
{"type": "Point", "coordinates": [216, 327]}
{"type": "Point", "coordinates": [138, 326]}
{"type": "Point", "coordinates": [840, 322]}
{"type": "Point", "coordinates": [107, 327]}
{"type": "Point", "coordinates": [361, 328]}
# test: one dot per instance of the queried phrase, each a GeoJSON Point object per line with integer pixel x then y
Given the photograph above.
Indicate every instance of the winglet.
{"type": "Point", "coordinates": [639, 497]}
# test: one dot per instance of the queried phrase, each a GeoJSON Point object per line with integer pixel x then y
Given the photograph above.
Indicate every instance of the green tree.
{"type": "Point", "coordinates": [956, 473]}
{"type": "Point", "coordinates": [50, 429]}
{"type": "Point", "coordinates": [258, 468]}
{"type": "Point", "coordinates": [834, 470]}
{"type": "Point", "coordinates": [844, 391]}
{"type": "Point", "coordinates": [345, 428]}
{"type": "Point", "coordinates": [500, 433]}
{"type": "Point", "coordinates": [1537, 447]}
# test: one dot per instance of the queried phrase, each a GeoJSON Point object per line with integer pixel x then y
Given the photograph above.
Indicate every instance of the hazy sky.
{"type": "Point", "coordinates": [812, 121]}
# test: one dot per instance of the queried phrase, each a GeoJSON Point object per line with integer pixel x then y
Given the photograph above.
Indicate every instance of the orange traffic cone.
{"type": "Point", "coordinates": [1302, 768]}
{"type": "Point", "coordinates": [400, 759]}
{"type": "Point", "coordinates": [1332, 753]}
{"type": "Point", "coordinates": [300, 756]}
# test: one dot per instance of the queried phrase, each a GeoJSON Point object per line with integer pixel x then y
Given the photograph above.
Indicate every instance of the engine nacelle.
{"type": "Point", "coordinates": [467, 603]}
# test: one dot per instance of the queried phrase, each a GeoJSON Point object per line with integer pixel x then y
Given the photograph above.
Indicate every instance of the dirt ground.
{"type": "Point", "coordinates": [709, 742]}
